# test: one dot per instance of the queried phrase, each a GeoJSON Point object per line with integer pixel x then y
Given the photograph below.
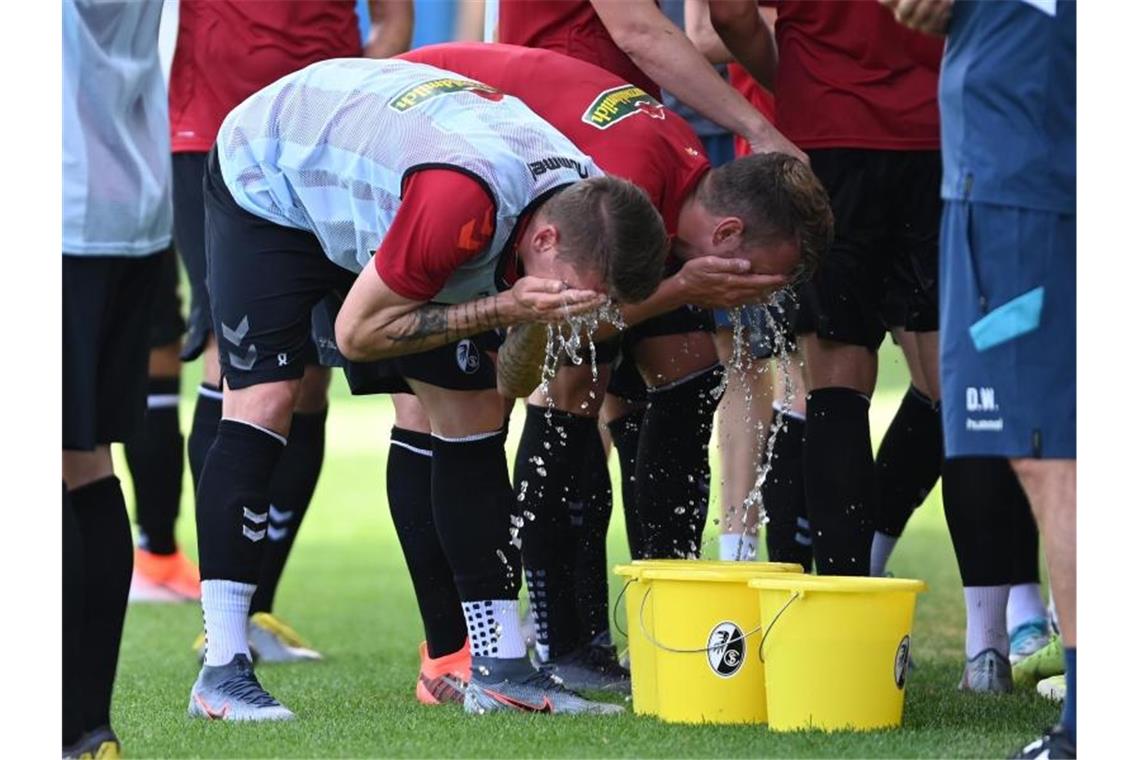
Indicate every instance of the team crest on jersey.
{"type": "Point", "coordinates": [617, 103]}
{"type": "Point", "coordinates": [413, 96]}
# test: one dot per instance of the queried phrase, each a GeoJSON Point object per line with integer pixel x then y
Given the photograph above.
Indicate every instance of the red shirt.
{"type": "Point", "coordinates": [571, 27]}
{"type": "Point", "coordinates": [850, 76]}
{"type": "Point", "coordinates": [756, 94]}
{"type": "Point", "coordinates": [628, 133]}
{"type": "Point", "coordinates": [229, 49]}
{"type": "Point", "coordinates": [445, 218]}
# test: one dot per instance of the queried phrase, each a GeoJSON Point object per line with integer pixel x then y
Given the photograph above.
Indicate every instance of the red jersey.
{"type": "Point", "coordinates": [229, 49]}
{"type": "Point", "coordinates": [571, 27]}
{"type": "Point", "coordinates": [756, 94]}
{"type": "Point", "coordinates": [629, 133]}
{"type": "Point", "coordinates": [850, 76]}
{"type": "Point", "coordinates": [445, 219]}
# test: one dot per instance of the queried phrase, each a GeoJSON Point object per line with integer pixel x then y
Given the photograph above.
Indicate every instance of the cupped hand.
{"type": "Point", "coordinates": [716, 283]}
{"type": "Point", "coordinates": [536, 299]}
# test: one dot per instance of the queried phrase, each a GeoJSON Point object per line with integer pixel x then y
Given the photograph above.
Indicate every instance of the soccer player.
{"type": "Point", "coordinates": [227, 50]}
{"type": "Point", "coordinates": [1008, 274]}
{"type": "Point", "coordinates": [162, 571]}
{"type": "Point", "coordinates": [443, 209]}
{"type": "Point", "coordinates": [742, 230]}
{"type": "Point", "coordinates": [116, 224]}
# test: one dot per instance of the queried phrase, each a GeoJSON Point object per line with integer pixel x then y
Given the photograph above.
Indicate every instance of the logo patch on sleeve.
{"type": "Point", "coordinates": [617, 103]}
{"type": "Point", "coordinates": [420, 93]}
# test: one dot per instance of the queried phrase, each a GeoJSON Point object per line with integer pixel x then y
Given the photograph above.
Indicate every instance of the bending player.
{"type": "Point", "coordinates": [444, 210]}
{"type": "Point", "coordinates": [743, 230]}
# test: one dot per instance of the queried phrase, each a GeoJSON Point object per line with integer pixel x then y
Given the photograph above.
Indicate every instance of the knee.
{"type": "Point", "coordinates": [81, 468]}
{"type": "Point", "coordinates": [410, 414]}
{"type": "Point", "coordinates": [269, 405]}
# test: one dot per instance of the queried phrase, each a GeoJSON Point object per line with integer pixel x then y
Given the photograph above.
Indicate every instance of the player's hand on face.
{"type": "Point", "coordinates": [537, 299]}
{"type": "Point", "coordinates": [930, 16]}
{"type": "Point", "coordinates": [716, 283]}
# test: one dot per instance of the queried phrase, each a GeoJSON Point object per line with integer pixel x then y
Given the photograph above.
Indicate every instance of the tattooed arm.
{"type": "Point", "coordinates": [518, 367]}
{"type": "Point", "coordinates": [377, 323]}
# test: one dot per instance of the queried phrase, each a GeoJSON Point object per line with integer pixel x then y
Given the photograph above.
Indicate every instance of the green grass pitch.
{"type": "Point", "coordinates": [347, 591]}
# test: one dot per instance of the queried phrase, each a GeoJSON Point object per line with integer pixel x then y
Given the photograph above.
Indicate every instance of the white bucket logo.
{"type": "Point", "coordinates": [902, 660]}
{"type": "Point", "coordinates": [726, 649]}
{"type": "Point", "coordinates": [467, 357]}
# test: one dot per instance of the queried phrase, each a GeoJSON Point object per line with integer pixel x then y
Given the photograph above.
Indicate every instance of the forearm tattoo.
{"type": "Point", "coordinates": [433, 325]}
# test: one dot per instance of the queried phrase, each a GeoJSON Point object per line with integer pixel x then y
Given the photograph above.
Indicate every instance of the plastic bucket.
{"type": "Point", "coordinates": [687, 623]}
{"type": "Point", "coordinates": [835, 650]}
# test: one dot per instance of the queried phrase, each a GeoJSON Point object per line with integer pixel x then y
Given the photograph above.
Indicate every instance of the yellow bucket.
{"type": "Point", "coordinates": [835, 650]}
{"type": "Point", "coordinates": [686, 595]}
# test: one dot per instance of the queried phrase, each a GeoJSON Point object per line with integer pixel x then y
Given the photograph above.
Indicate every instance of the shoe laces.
{"type": "Point", "coordinates": [544, 679]}
{"type": "Point", "coordinates": [244, 686]}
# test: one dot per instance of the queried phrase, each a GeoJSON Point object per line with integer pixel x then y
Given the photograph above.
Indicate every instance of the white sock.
{"type": "Point", "coordinates": [985, 619]}
{"type": "Point", "coordinates": [737, 547]}
{"type": "Point", "coordinates": [493, 628]}
{"type": "Point", "coordinates": [225, 606]}
{"type": "Point", "coordinates": [881, 547]}
{"type": "Point", "coordinates": [1024, 605]}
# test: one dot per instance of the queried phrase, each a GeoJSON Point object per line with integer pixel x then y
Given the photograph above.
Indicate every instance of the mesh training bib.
{"type": "Point", "coordinates": [326, 150]}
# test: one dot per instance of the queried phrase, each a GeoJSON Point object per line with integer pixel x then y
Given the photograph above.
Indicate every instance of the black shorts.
{"type": "Point", "coordinates": [166, 322]}
{"type": "Point", "coordinates": [190, 238]}
{"type": "Point", "coordinates": [107, 304]}
{"type": "Point", "coordinates": [264, 281]}
{"type": "Point", "coordinates": [466, 365]}
{"type": "Point", "coordinates": [882, 269]}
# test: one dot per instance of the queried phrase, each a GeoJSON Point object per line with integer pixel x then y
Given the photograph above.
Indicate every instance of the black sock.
{"type": "Point", "coordinates": [154, 457]}
{"type": "Point", "coordinates": [788, 533]}
{"type": "Point", "coordinates": [108, 559]}
{"type": "Point", "coordinates": [547, 468]}
{"type": "Point", "coordinates": [626, 434]}
{"type": "Point", "coordinates": [409, 499]}
{"type": "Point", "coordinates": [979, 497]}
{"type": "Point", "coordinates": [233, 501]}
{"type": "Point", "coordinates": [472, 503]}
{"type": "Point", "coordinates": [590, 511]}
{"type": "Point", "coordinates": [290, 493]}
{"type": "Point", "coordinates": [72, 624]}
{"type": "Point", "coordinates": [207, 414]}
{"type": "Point", "coordinates": [909, 461]}
{"type": "Point", "coordinates": [839, 475]}
{"type": "Point", "coordinates": [1024, 538]}
{"type": "Point", "coordinates": [673, 465]}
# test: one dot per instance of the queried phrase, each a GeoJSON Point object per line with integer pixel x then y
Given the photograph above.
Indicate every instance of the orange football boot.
{"type": "Point", "coordinates": [443, 679]}
{"type": "Point", "coordinates": [172, 571]}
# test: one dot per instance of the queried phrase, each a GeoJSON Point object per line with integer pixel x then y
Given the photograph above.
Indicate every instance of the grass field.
{"type": "Point", "coordinates": [346, 590]}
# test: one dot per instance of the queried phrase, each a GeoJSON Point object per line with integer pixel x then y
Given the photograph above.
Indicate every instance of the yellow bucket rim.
{"type": "Point", "coordinates": [710, 576]}
{"type": "Point", "coordinates": [835, 583]}
{"type": "Point", "coordinates": [640, 566]}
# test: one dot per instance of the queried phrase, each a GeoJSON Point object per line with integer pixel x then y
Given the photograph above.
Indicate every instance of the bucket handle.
{"type": "Point", "coordinates": [675, 650]}
{"type": "Point", "coordinates": [617, 604]}
{"type": "Point", "coordinates": [795, 595]}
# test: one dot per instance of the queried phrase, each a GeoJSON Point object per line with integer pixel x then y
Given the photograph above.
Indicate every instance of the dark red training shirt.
{"type": "Point", "coordinates": [571, 27]}
{"type": "Point", "coordinates": [627, 132]}
{"type": "Point", "coordinates": [850, 76]}
{"type": "Point", "coordinates": [229, 49]}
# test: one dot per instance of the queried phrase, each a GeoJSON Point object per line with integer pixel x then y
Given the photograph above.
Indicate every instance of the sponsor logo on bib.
{"type": "Point", "coordinates": [417, 94]}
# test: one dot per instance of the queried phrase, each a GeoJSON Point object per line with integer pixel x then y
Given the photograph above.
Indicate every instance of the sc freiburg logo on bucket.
{"type": "Point", "coordinates": [902, 659]}
{"type": "Point", "coordinates": [726, 649]}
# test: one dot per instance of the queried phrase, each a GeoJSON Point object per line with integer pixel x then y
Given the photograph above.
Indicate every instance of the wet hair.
{"type": "Point", "coordinates": [609, 225]}
{"type": "Point", "coordinates": [778, 198]}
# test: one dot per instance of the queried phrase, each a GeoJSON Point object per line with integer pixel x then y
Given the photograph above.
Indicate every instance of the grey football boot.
{"type": "Point", "coordinates": [988, 672]}
{"type": "Point", "coordinates": [591, 667]}
{"type": "Point", "coordinates": [232, 692]}
{"type": "Point", "coordinates": [516, 685]}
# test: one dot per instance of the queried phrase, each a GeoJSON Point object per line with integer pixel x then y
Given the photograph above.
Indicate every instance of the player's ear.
{"type": "Point", "coordinates": [727, 229]}
{"type": "Point", "coordinates": [545, 239]}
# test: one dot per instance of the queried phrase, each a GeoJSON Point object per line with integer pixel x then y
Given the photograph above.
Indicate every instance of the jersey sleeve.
{"type": "Point", "coordinates": [445, 218]}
